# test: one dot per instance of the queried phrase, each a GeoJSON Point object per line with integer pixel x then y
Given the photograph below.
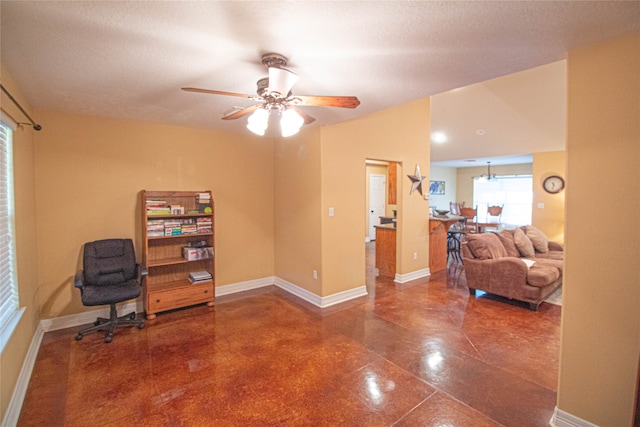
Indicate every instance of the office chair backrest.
{"type": "Point", "coordinates": [109, 262]}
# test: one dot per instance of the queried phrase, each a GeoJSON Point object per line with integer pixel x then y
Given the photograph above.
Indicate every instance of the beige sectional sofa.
{"type": "Point", "coordinates": [519, 264]}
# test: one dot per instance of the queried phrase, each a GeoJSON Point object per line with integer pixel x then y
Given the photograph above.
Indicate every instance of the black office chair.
{"type": "Point", "coordinates": [110, 275]}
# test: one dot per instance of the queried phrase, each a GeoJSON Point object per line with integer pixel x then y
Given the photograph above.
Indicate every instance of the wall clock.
{"type": "Point", "coordinates": [553, 184]}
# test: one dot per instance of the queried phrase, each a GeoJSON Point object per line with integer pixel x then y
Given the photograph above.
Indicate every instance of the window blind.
{"type": "Point", "coordinates": [8, 286]}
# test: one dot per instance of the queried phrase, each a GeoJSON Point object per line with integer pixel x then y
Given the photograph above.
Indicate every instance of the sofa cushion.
{"type": "Point", "coordinates": [551, 255]}
{"type": "Point", "coordinates": [506, 237]}
{"type": "Point", "coordinates": [523, 243]}
{"type": "Point", "coordinates": [538, 238]}
{"type": "Point", "coordinates": [550, 262]}
{"type": "Point", "coordinates": [486, 246]}
{"type": "Point", "coordinates": [541, 276]}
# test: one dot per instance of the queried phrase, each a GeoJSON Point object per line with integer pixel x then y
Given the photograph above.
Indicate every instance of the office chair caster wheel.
{"type": "Point", "coordinates": [141, 325]}
{"type": "Point", "coordinates": [79, 337]}
{"type": "Point", "coordinates": [96, 323]}
{"type": "Point", "coordinates": [108, 339]}
{"type": "Point", "coordinates": [132, 316]}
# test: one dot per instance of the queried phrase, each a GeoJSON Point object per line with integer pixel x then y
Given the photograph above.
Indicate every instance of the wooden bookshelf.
{"type": "Point", "coordinates": [171, 221]}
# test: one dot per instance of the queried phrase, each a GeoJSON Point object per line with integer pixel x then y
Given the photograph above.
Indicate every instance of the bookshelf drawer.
{"type": "Point", "coordinates": [179, 297]}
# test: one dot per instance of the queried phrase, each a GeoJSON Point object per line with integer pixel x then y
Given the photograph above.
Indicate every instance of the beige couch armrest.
{"type": "Point", "coordinates": [503, 276]}
{"type": "Point", "coordinates": [555, 246]}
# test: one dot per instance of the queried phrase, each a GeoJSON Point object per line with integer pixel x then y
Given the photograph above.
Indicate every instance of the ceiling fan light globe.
{"type": "Point", "coordinates": [258, 121]}
{"type": "Point", "coordinates": [289, 132]}
{"type": "Point", "coordinates": [258, 130]}
{"type": "Point", "coordinates": [290, 123]}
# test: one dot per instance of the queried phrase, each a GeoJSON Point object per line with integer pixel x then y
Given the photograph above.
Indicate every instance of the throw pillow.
{"type": "Point", "coordinates": [523, 243]}
{"type": "Point", "coordinates": [539, 240]}
{"type": "Point", "coordinates": [506, 237]}
{"type": "Point", "coordinates": [486, 246]}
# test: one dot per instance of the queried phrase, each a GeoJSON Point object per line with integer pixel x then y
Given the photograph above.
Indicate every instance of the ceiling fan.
{"type": "Point", "coordinates": [274, 94]}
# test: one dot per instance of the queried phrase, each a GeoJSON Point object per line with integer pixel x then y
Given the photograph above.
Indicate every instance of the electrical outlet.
{"type": "Point", "coordinates": [315, 274]}
{"type": "Point", "coordinates": [415, 255]}
{"type": "Point", "coordinates": [331, 212]}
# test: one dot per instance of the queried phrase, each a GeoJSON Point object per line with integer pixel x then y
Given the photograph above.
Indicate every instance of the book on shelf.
{"type": "Point", "coordinates": [200, 276]}
{"type": "Point", "coordinates": [159, 212]}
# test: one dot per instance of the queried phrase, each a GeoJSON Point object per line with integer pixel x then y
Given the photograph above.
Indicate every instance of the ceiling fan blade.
{"type": "Point", "coordinates": [219, 92]}
{"type": "Point", "coordinates": [241, 113]}
{"type": "Point", "coordinates": [281, 81]}
{"type": "Point", "coordinates": [307, 118]}
{"type": "Point", "coordinates": [325, 101]}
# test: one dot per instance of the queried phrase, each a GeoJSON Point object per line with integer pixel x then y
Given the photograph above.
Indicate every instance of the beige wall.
{"type": "Point", "coordinates": [550, 218]}
{"type": "Point", "coordinates": [345, 148]}
{"type": "Point", "coordinates": [601, 315]}
{"type": "Point", "coordinates": [297, 210]}
{"type": "Point", "coordinates": [89, 172]}
{"type": "Point", "coordinates": [16, 349]}
{"type": "Point", "coordinates": [450, 178]}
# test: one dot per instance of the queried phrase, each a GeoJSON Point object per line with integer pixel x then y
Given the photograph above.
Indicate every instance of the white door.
{"type": "Point", "coordinates": [377, 193]}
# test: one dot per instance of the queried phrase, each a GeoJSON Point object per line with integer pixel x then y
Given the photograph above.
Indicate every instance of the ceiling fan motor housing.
{"type": "Point", "coordinates": [273, 60]}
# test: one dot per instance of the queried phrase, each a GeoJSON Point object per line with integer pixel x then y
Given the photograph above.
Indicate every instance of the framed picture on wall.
{"type": "Point", "coordinates": [436, 188]}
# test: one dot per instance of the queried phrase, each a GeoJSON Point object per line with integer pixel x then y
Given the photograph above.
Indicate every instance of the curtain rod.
{"type": "Point", "coordinates": [34, 124]}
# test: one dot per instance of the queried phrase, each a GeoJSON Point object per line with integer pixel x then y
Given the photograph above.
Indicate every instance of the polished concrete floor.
{"type": "Point", "coordinates": [420, 354]}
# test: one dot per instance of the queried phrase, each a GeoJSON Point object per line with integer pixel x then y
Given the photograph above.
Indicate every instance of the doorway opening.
{"type": "Point", "coordinates": [381, 212]}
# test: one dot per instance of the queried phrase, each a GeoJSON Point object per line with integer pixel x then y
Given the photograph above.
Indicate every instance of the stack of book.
{"type": "Point", "coordinates": [204, 225]}
{"type": "Point", "coordinates": [157, 207]}
{"type": "Point", "coordinates": [172, 227]}
{"type": "Point", "coordinates": [189, 228]}
{"type": "Point", "coordinates": [200, 276]}
{"type": "Point", "coordinates": [155, 227]}
{"type": "Point", "coordinates": [203, 200]}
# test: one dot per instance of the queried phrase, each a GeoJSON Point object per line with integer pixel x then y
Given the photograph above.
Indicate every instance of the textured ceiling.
{"type": "Point", "coordinates": [129, 59]}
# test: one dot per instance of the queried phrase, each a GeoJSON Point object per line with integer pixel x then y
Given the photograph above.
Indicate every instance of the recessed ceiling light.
{"type": "Point", "coordinates": [480, 132]}
{"type": "Point", "coordinates": [438, 137]}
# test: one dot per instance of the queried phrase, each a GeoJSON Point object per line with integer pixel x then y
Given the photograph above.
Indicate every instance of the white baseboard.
{"type": "Point", "coordinates": [20, 391]}
{"type": "Point", "coordinates": [86, 317]}
{"type": "Point", "coordinates": [317, 300]}
{"type": "Point", "coordinates": [561, 418]}
{"type": "Point", "coordinates": [407, 277]}
{"type": "Point", "coordinates": [244, 286]}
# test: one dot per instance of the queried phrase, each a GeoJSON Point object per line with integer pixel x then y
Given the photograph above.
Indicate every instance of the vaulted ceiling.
{"type": "Point", "coordinates": [129, 59]}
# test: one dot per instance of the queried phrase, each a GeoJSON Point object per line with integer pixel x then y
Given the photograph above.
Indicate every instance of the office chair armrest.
{"type": "Point", "coordinates": [141, 271]}
{"type": "Point", "coordinates": [78, 280]}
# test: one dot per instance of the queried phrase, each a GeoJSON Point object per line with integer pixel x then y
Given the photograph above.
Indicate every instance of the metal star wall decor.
{"type": "Point", "coordinates": [416, 181]}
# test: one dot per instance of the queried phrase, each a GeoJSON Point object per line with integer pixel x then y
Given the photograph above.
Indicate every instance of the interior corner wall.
{"type": "Point", "coordinates": [548, 209]}
{"type": "Point", "coordinates": [297, 209]}
{"type": "Point", "coordinates": [399, 134]}
{"type": "Point", "coordinates": [600, 326]}
{"type": "Point", "coordinates": [450, 178]}
{"type": "Point", "coordinates": [89, 172]}
{"type": "Point", "coordinates": [16, 349]}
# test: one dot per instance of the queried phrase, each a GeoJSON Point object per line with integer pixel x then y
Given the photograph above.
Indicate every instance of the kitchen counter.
{"type": "Point", "coordinates": [390, 226]}
{"type": "Point", "coordinates": [386, 249]}
{"type": "Point", "coordinates": [438, 228]}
